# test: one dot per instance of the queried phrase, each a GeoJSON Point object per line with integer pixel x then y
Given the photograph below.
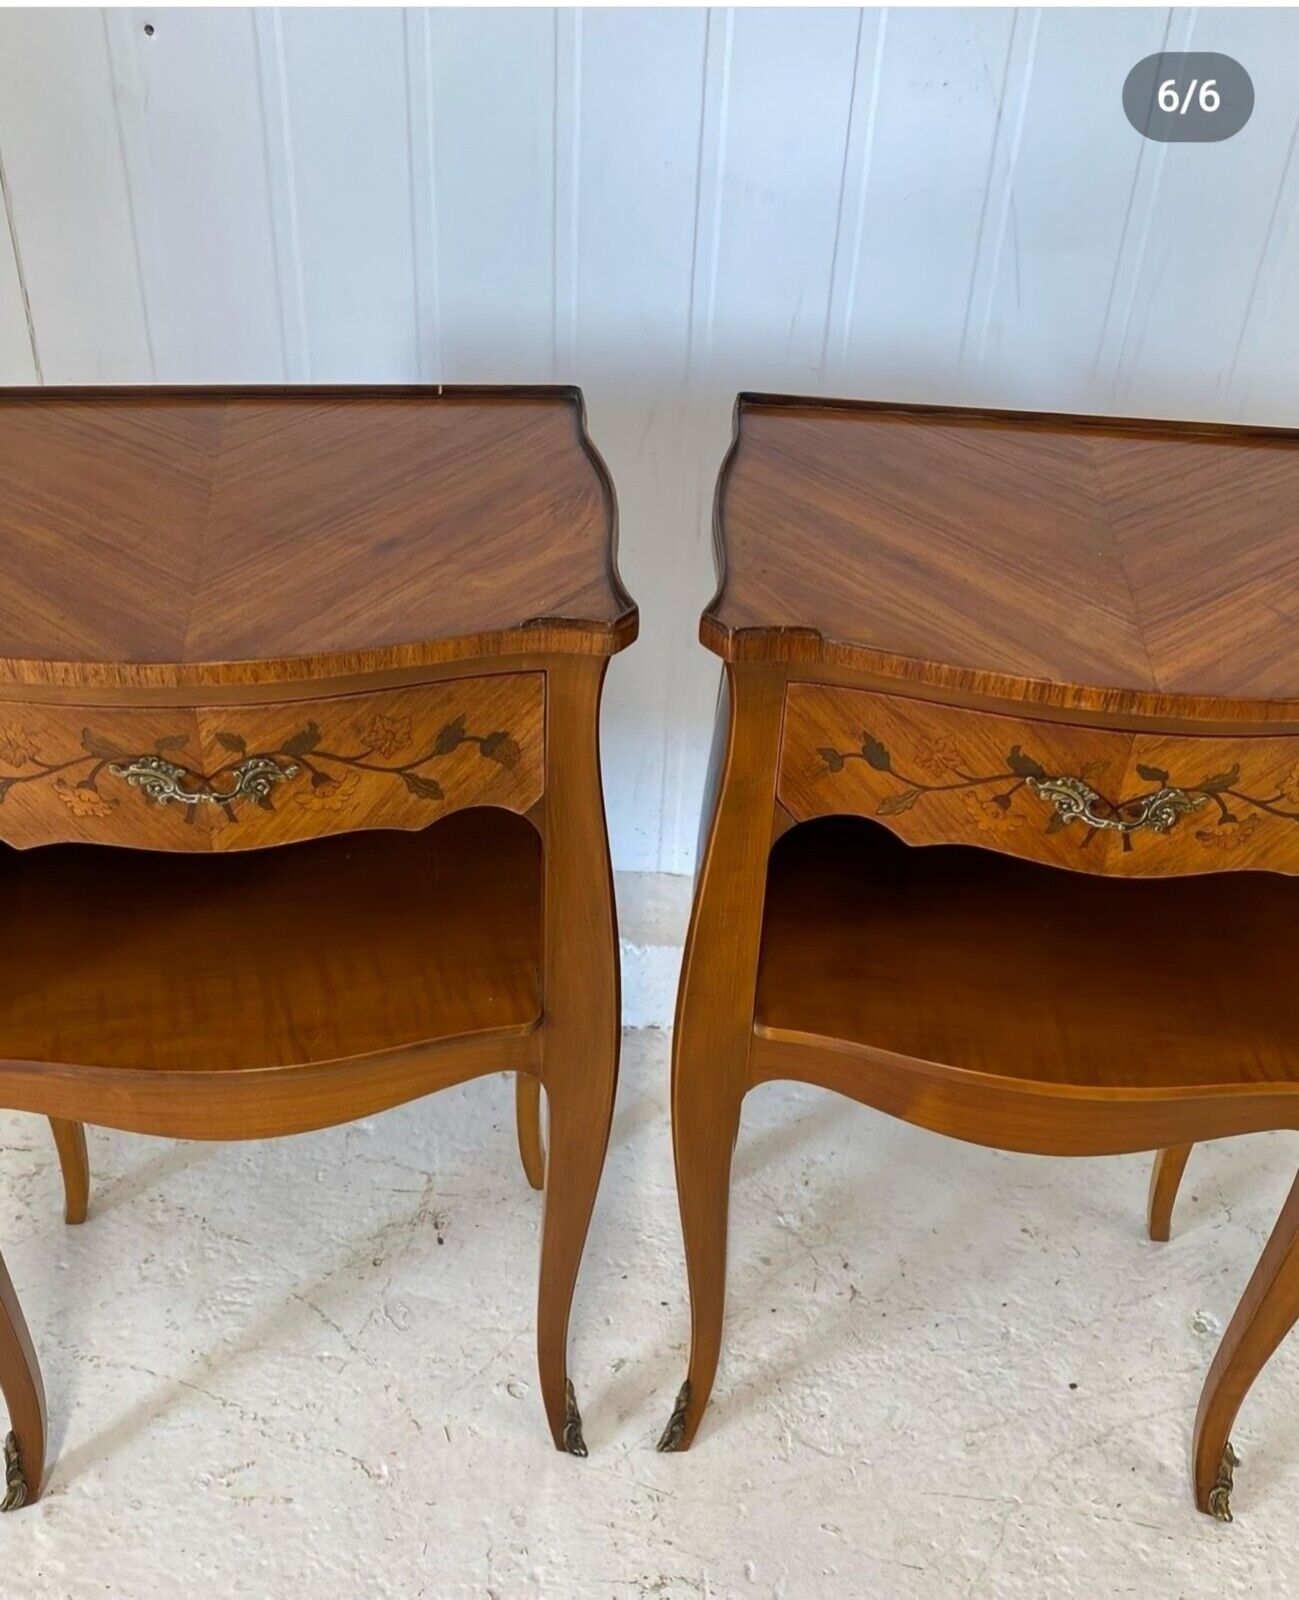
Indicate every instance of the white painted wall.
{"type": "Point", "coordinates": [664, 206]}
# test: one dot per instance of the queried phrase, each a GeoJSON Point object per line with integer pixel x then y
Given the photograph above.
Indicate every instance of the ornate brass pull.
{"type": "Point", "coordinates": [1075, 800]}
{"type": "Point", "coordinates": [163, 781]}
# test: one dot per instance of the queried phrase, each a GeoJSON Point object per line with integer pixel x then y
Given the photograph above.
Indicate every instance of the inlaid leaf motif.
{"type": "Point", "coordinates": [1218, 781]}
{"type": "Point", "coordinates": [1024, 766]}
{"type": "Point", "coordinates": [876, 754]}
{"type": "Point", "coordinates": [833, 760]}
{"type": "Point", "coordinates": [501, 747]}
{"type": "Point", "coordinates": [172, 741]}
{"type": "Point", "coordinates": [101, 749]}
{"type": "Point", "coordinates": [425, 788]}
{"type": "Point", "coordinates": [5, 785]}
{"type": "Point", "coordinates": [233, 743]}
{"type": "Point", "coordinates": [892, 804]}
{"type": "Point", "coordinates": [450, 737]}
{"type": "Point", "coordinates": [1151, 774]}
{"type": "Point", "coordinates": [303, 742]}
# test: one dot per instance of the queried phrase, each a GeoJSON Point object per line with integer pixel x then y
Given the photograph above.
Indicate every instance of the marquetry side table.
{"type": "Point", "coordinates": [323, 667]}
{"type": "Point", "coordinates": [1004, 809]}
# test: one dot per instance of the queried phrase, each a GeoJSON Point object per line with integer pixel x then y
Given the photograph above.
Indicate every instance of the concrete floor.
{"type": "Point", "coordinates": [304, 1369]}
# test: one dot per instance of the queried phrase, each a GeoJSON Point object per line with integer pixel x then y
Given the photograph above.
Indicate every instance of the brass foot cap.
{"type": "Point", "coordinates": [574, 1443]}
{"type": "Point", "coordinates": [674, 1434]}
{"type": "Point", "coordinates": [1219, 1502]}
{"type": "Point", "coordinates": [15, 1483]}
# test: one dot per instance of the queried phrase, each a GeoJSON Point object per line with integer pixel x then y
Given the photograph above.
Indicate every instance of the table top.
{"type": "Point", "coordinates": [170, 537]}
{"type": "Point", "coordinates": [1091, 563]}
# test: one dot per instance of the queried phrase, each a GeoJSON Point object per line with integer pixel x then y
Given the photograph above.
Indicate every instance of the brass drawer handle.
{"type": "Point", "coordinates": [163, 781]}
{"type": "Point", "coordinates": [1075, 800]}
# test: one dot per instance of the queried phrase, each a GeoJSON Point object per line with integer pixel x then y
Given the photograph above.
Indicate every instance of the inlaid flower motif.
{"type": "Point", "coordinates": [1290, 786]}
{"type": "Point", "coordinates": [992, 813]}
{"type": "Point", "coordinates": [16, 748]}
{"type": "Point", "coordinates": [1230, 835]}
{"type": "Point", "coordinates": [83, 801]}
{"type": "Point", "coordinates": [385, 733]}
{"type": "Point", "coordinates": [326, 793]}
{"type": "Point", "coordinates": [937, 757]}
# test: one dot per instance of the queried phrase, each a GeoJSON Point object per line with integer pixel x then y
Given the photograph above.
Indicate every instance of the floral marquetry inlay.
{"type": "Point", "coordinates": [396, 758]}
{"type": "Point", "coordinates": [1092, 798]}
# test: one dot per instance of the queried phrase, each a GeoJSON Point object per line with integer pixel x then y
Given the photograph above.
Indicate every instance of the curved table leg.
{"type": "Point", "coordinates": [1165, 1179]}
{"type": "Point", "coordinates": [70, 1141]}
{"type": "Point", "coordinates": [24, 1394]}
{"type": "Point", "coordinates": [1267, 1311]}
{"type": "Point", "coordinates": [714, 1027]}
{"type": "Point", "coordinates": [581, 1034]}
{"type": "Point", "coordinates": [527, 1119]}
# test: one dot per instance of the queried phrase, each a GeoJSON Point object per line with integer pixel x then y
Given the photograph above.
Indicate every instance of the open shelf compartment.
{"type": "Point", "coordinates": [974, 960]}
{"type": "Point", "coordinates": [357, 944]}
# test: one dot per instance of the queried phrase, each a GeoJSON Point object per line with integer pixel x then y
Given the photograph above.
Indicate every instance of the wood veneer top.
{"type": "Point", "coordinates": [167, 537]}
{"type": "Point", "coordinates": [1083, 562]}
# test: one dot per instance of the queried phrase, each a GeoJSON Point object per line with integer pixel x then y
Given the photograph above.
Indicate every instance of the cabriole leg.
{"type": "Point", "coordinates": [1266, 1313]}
{"type": "Point", "coordinates": [527, 1118]}
{"type": "Point", "coordinates": [24, 1394]}
{"type": "Point", "coordinates": [581, 1030]}
{"type": "Point", "coordinates": [714, 1028]}
{"type": "Point", "coordinates": [1165, 1180]}
{"type": "Point", "coordinates": [74, 1159]}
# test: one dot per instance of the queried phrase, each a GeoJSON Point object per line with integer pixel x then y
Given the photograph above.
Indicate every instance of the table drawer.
{"type": "Point", "coordinates": [1095, 799]}
{"type": "Point", "coordinates": [238, 777]}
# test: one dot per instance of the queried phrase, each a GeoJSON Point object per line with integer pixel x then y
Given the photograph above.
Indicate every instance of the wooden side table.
{"type": "Point", "coordinates": [1058, 653]}
{"type": "Point", "coordinates": [235, 621]}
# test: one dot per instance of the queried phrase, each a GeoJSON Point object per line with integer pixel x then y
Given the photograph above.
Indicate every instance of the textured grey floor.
{"type": "Point", "coordinates": [305, 1368]}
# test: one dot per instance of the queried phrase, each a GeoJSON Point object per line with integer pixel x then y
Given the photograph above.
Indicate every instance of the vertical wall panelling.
{"type": "Point", "coordinates": [493, 94]}
{"type": "Point", "coordinates": [345, 85]}
{"type": "Point", "coordinates": [636, 137]}
{"type": "Point", "coordinates": [566, 269]}
{"type": "Point", "coordinates": [281, 193]}
{"type": "Point", "coordinates": [418, 27]}
{"type": "Point", "coordinates": [189, 108]}
{"type": "Point", "coordinates": [1209, 228]}
{"type": "Point", "coordinates": [935, 126]}
{"type": "Point", "coordinates": [19, 352]}
{"type": "Point", "coordinates": [1259, 379]}
{"type": "Point", "coordinates": [68, 197]}
{"type": "Point", "coordinates": [665, 206]}
{"type": "Point", "coordinates": [859, 154]}
{"type": "Point", "coordinates": [1073, 212]}
{"type": "Point", "coordinates": [999, 191]}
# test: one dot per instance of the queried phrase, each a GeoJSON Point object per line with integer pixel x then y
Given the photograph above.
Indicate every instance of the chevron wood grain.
{"type": "Point", "coordinates": [1029, 643]}
{"type": "Point", "coordinates": [1098, 565]}
{"type": "Point", "coordinates": [325, 668]}
{"type": "Point", "coordinates": [242, 537]}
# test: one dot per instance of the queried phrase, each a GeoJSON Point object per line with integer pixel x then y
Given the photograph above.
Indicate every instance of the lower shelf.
{"type": "Point", "coordinates": [976, 961]}
{"type": "Point", "coordinates": [309, 953]}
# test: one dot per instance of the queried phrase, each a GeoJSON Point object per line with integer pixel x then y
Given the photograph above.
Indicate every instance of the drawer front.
{"type": "Point", "coordinates": [1096, 800]}
{"type": "Point", "coordinates": [239, 777]}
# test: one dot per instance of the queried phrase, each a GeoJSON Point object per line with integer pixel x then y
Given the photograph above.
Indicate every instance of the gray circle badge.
{"type": "Point", "coordinates": [1188, 96]}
